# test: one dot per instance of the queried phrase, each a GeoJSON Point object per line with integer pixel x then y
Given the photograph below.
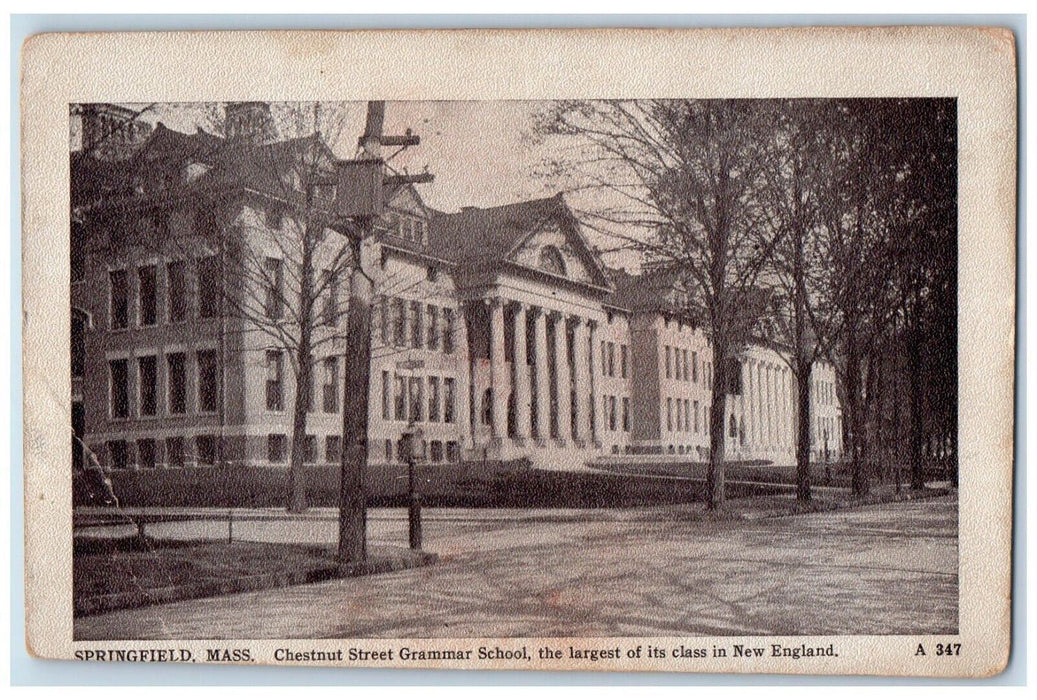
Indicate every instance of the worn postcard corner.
{"type": "Point", "coordinates": [628, 350]}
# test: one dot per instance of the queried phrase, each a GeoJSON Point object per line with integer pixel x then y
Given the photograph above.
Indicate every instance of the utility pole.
{"type": "Point", "coordinates": [360, 198]}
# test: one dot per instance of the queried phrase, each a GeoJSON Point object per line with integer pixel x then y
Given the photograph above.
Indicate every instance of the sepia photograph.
{"type": "Point", "coordinates": [651, 402]}
{"type": "Point", "coordinates": [655, 382]}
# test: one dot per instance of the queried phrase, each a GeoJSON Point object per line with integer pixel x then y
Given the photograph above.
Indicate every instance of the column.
{"type": "Point", "coordinates": [750, 394]}
{"type": "Point", "coordinates": [583, 384]}
{"type": "Point", "coordinates": [498, 376]}
{"type": "Point", "coordinates": [768, 384]}
{"type": "Point", "coordinates": [542, 390]}
{"type": "Point", "coordinates": [564, 382]}
{"type": "Point", "coordinates": [592, 335]}
{"type": "Point", "coordinates": [521, 388]}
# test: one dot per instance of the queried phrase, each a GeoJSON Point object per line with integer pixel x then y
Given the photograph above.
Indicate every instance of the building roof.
{"type": "Point", "coordinates": [478, 237]}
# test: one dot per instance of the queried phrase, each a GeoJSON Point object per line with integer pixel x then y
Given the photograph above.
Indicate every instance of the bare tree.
{"type": "Point", "coordinates": [682, 179]}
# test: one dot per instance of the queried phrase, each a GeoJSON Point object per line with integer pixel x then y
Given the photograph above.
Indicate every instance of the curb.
{"type": "Point", "coordinates": [245, 584]}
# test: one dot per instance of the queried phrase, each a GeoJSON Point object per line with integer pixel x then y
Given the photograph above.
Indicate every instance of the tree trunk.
{"type": "Point", "coordinates": [914, 371]}
{"type": "Point", "coordinates": [717, 414]}
{"type": "Point", "coordinates": [803, 371]}
{"type": "Point", "coordinates": [304, 361]}
{"type": "Point", "coordinates": [853, 418]}
{"type": "Point", "coordinates": [297, 463]}
{"type": "Point", "coordinates": [352, 537]}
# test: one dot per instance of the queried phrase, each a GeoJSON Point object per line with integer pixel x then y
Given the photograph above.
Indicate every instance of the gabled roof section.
{"type": "Point", "coordinates": [484, 238]}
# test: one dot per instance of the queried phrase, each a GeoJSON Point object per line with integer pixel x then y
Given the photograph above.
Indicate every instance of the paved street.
{"type": "Point", "coordinates": [889, 569]}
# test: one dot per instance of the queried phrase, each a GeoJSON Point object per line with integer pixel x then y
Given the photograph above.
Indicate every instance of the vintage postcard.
{"type": "Point", "coordinates": [648, 350]}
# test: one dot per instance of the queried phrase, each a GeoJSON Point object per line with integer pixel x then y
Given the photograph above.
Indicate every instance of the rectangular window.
{"type": "Point", "coordinates": [274, 380]}
{"type": "Point", "coordinates": [383, 317]}
{"type": "Point", "coordinates": [605, 410]}
{"type": "Point", "coordinates": [612, 359]}
{"type": "Point", "coordinates": [680, 414]}
{"type": "Point", "coordinates": [415, 386]}
{"type": "Point", "coordinates": [604, 358]}
{"type": "Point", "coordinates": [695, 367]}
{"type": "Point", "coordinates": [331, 301]}
{"type": "Point", "coordinates": [147, 377]}
{"type": "Point", "coordinates": [669, 371]}
{"type": "Point", "coordinates": [626, 414]}
{"type": "Point", "coordinates": [400, 397]}
{"type": "Point", "coordinates": [333, 449]}
{"type": "Point", "coordinates": [417, 327]}
{"type": "Point", "coordinates": [448, 400]}
{"type": "Point", "coordinates": [208, 450]}
{"type": "Point", "coordinates": [175, 452]}
{"type": "Point", "coordinates": [669, 414]}
{"type": "Point", "coordinates": [146, 294]}
{"type": "Point", "coordinates": [612, 413]}
{"type": "Point", "coordinates": [448, 331]}
{"type": "Point", "coordinates": [176, 367]}
{"type": "Point", "coordinates": [433, 399]}
{"type": "Point", "coordinates": [386, 395]}
{"type": "Point", "coordinates": [209, 287]}
{"type": "Point", "coordinates": [453, 451]}
{"type": "Point", "coordinates": [276, 448]}
{"type": "Point", "coordinates": [208, 381]}
{"type": "Point", "coordinates": [623, 361]}
{"type": "Point", "coordinates": [677, 364]}
{"type": "Point", "coordinates": [120, 390]}
{"type": "Point", "coordinates": [331, 385]}
{"type": "Point", "coordinates": [687, 415]}
{"type": "Point", "coordinates": [399, 322]}
{"type": "Point", "coordinates": [119, 301]}
{"type": "Point", "coordinates": [435, 451]}
{"type": "Point", "coordinates": [176, 276]}
{"type": "Point", "coordinates": [273, 271]}
{"type": "Point", "coordinates": [388, 450]}
{"type": "Point", "coordinates": [696, 407]}
{"type": "Point", "coordinates": [432, 333]}
{"type": "Point", "coordinates": [309, 449]}
{"type": "Point", "coordinates": [146, 454]}
{"type": "Point", "coordinates": [684, 365]}
{"type": "Point", "coordinates": [118, 454]}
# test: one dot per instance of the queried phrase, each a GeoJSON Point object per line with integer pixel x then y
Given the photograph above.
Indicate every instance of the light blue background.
{"type": "Point", "coordinates": [28, 671]}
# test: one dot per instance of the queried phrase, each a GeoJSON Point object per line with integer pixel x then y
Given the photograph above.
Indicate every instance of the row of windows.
{"type": "Point", "coordinates": [684, 415]}
{"type": "Point", "coordinates": [610, 420]}
{"type": "Point", "coordinates": [326, 370]}
{"type": "Point", "coordinates": [409, 228]}
{"type": "Point", "coordinates": [431, 451]}
{"type": "Point", "coordinates": [681, 366]}
{"type": "Point", "coordinates": [416, 325]}
{"type": "Point", "coordinates": [177, 288]}
{"type": "Point", "coordinates": [403, 398]}
{"type": "Point", "coordinates": [208, 275]}
{"type": "Point", "coordinates": [207, 452]}
{"type": "Point", "coordinates": [277, 449]}
{"type": "Point", "coordinates": [608, 359]}
{"type": "Point", "coordinates": [147, 369]}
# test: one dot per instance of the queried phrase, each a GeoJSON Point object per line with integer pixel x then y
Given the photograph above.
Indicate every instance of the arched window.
{"type": "Point", "coordinates": [551, 260]}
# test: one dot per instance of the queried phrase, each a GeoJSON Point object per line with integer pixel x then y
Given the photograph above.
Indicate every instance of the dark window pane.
{"type": "Point", "coordinates": [120, 398]}
{"type": "Point", "coordinates": [147, 374]}
{"type": "Point", "coordinates": [275, 448]}
{"type": "Point", "coordinates": [146, 288]}
{"type": "Point", "coordinates": [274, 274]}
{"type": "Point", "coordinates": [176, 273]}
{"type": "Point", "coordinates": [208, 381]}
{"type": "Point", "coordinates": [175, 452]}
{"type": "Point", "coordinates": [146, 454]}
{"type": "Point", "coordinates": [119, 299]}
{"type": "Point", "coordinates": [208, 287]}
{"type": "Point", "coordinates": [177, 365]}
{"type": "Point", "coordinates": [208, 450]}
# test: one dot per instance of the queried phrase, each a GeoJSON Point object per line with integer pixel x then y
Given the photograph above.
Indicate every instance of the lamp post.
{"type": "Point", "coordinates": [412, 439]}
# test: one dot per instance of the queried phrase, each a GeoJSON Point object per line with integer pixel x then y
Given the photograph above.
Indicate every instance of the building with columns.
{"type": "Point", "coordinates": [498, 330]}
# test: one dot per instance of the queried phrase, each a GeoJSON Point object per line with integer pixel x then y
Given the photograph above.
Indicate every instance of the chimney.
{"type": "Point", "coordinates": [111, 132]}
{"type": "Point", "coordinates": [249, 122]}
